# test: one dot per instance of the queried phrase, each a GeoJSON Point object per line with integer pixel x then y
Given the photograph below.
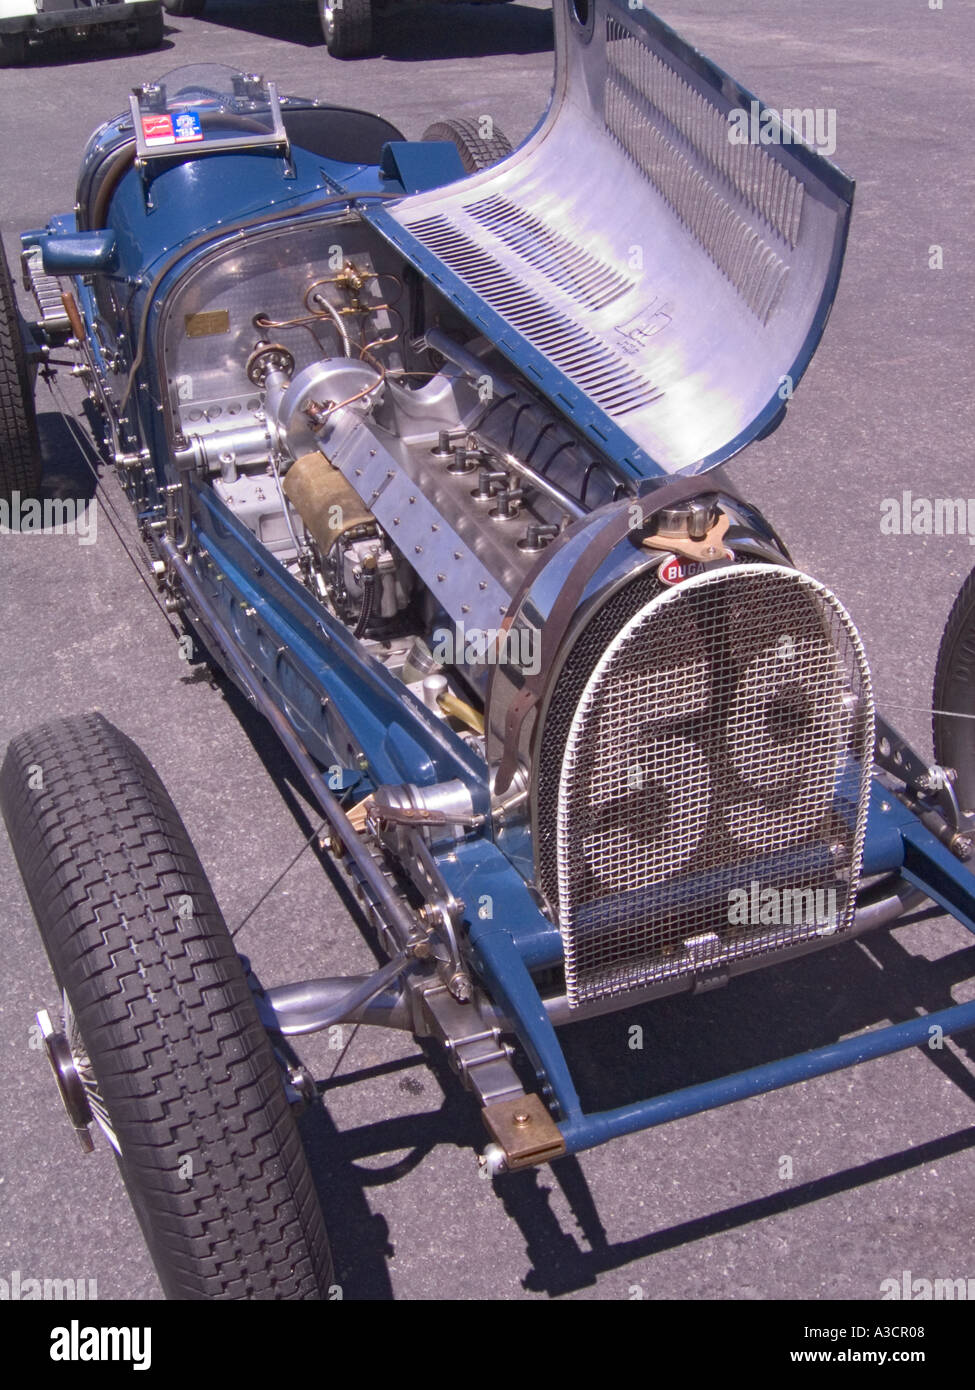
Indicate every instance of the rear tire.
{"type": "Point", "coordinates": [349, 27]}
{"type": "Point", "coordinates": [477, 151]}
{"type": "Point", "coordinates": [954, 694]}
{"type": "Point", "coordinates": [20, 450]}
{"type": "Point", "coordinates": [163, 1027]}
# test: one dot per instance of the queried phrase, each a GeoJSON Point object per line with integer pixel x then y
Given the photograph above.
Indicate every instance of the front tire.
{"type": "Point", "coordinates": [20, 450]}
{"type": "Point", "coordinates": [163, 1026]}
{"type": "Point", "coordinates": [954, 695]}
{"type": "Point", "coordinates": [349, 27]}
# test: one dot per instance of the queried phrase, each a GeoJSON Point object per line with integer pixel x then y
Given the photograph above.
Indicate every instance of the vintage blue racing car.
{"type": "Point", "coordinates": [426, 441]}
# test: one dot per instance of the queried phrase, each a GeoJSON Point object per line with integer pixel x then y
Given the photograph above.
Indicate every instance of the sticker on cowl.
{"type": "Point", "coordinates": [158, 130]}
{"type": "Point", "coordinates": [181, 129]}
{"type": "Point", "coordinates": [188, 127]}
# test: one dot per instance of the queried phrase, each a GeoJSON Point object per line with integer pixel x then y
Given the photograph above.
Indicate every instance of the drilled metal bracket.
{"type": "Point", "coordinates": [525, 1131]}
{"type": "Point", "coordinates": [473, 1045]}
{"type": "Point", "coordinates": [928, 789]}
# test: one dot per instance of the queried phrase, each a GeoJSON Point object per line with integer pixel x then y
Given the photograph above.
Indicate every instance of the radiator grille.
{"type": "Point", "coordinates": [712, 796]}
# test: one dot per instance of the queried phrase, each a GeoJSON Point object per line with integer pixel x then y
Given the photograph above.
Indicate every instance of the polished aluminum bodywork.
{"type": "Point", "coordinates": [679, 279]}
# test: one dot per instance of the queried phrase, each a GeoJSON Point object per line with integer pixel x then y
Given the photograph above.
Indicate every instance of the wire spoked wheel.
{"type": "Point", "coordinates": [954, 695]}
{"type": "Point", "coordinates": [75, 1077]}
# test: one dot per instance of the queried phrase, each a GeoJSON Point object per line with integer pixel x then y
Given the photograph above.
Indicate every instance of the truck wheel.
{"type": "Point", "coordinates": [477, 151]}
{"type": "Point", "coordinates": [954, 695]}
{"type": "Point", "coordinates": [348, 27]}
{"type": "Point", "coordinates": [161, 1028]}
{"type": "Point", "coordinates": [184, 8]}
{"type": "Point", "coordinates": [13, 50]}
{"type": "Point", "coordinates": [148, 30]}
{"type": "Point", "coordinates": [20, 450]}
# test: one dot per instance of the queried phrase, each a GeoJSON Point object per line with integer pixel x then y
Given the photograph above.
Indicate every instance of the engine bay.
{"type": "Point", "coordinates": [377, 446]}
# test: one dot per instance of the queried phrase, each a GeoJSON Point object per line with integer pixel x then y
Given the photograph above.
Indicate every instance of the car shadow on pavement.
{"type": "Point", "coordinates": [361, 1239]}
{"type": "Point", "coordinates": [559, 1265]}
{"type": "Point", "coordinates": [55, 51]}
{"type": "Point", "coordinates": [66, 472]}
{"type": "Point", "coordinates": [419, 35]}
{"type": "Point", "coordinates": [413, 33]}
{"type": "Point", "coordinates": [693, 1040]}
{"type": "Point", "coordinates": [293, 21]}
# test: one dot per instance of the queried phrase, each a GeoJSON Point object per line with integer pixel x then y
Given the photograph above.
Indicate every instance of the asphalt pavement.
{"type": "Point", "coordinates": [820, 1191]}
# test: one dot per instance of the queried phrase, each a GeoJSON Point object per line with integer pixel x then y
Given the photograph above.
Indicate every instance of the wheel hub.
{"type": "Point", "coordinates": [69, 1083]}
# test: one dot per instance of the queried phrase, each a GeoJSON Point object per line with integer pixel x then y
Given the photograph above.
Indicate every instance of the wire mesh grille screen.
{"type": "Point", "coordinates": [713, 793]}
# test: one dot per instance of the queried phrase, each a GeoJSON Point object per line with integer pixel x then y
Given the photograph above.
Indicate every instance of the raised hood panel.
{"type": "Point", "coordinates": [658, 278]}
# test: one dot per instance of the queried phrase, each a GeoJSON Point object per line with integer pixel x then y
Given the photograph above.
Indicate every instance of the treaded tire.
{"type": "Point", "coordinates": [210, 1152]}
{"type": "Point", "coordinates": [184, 8]}
{"type": "Point", "coordinates": [20, 449]}
{"type": "Point", "coordinates": [349, 27]}
{"type": "Point", "coordinates": [954, 692]}
{"type": "Point", "coordinates": [476, 151]}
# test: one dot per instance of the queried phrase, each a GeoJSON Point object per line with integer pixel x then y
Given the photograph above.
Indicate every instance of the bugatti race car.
{"type": "Point", "coordinates": [427, 444]}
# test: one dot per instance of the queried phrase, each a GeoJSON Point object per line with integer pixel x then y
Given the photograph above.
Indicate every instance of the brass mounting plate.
{"type": "Point", "coordinates": [525, 1130]}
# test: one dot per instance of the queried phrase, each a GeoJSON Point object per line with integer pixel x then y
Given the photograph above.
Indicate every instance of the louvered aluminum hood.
{"type": "Point", "coordinates": [662, 283]}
